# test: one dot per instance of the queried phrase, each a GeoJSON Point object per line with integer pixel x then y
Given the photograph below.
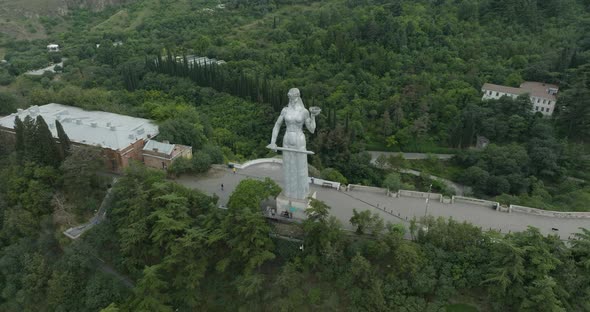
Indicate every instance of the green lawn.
{"type": "Point", "coordinates": [460, 307]}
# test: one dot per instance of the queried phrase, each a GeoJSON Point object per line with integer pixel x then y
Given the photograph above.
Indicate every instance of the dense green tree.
{"type": "Point", "coordinates": [19, 131]}
{"type": "Point", "coordinates": [64, 141]}
{"type": "Point", "coordinates": [367, 222]}
{"type": "Point", "coordinates": [250, 193]}
{"type": "Point", "coordinates": [170, 219]}
{"type": "Point", "coordinates": [574, 113]}
{"type": "Point", "coordinates": [45, 151]}
{"type": "Point", "coordinates": [8, 103]}
{"type": "Point", "coordinates": [80, 172]}
{"type": "Point", "coordinates": [392, 182]}
{"type": "Point", "coordinates": [149, 295]}
{"type": "Point", "coordinates": [332, 174]}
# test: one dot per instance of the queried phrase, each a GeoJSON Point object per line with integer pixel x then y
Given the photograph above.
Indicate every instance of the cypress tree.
{"type": "Point", "coordinates": [29, 133]}
{"type": "Point", "coordinates": [64, 141]}
{"type": "Point", "coordinates": [45, 150]}
{"type": "Point", "coordinates": [19, 129]}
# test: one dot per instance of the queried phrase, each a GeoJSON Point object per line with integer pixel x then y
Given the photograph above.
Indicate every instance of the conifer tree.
{"type": "Point", "coordinates": [29, 134]}
{"type": "Point", "coordinates": [45, 149]}
{"type": "Point", "coordinates": [64, 141]}
{"type": "Point", "coordinates": [19, 129]}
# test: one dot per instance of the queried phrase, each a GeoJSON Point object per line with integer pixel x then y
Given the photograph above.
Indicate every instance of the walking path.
{"type": "Point", "coordinates": [77, 231]}
{"type": "Point", "coordinates": [390, 209]}
{"type": "Point", "coordinates": [50, 68]}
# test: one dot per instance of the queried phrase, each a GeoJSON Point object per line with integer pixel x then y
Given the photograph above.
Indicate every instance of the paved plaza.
{"type": "Point", "coordinates": [398, 209]}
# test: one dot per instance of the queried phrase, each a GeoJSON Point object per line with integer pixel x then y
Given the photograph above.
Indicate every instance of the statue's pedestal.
{"type": "Point", "coordinates": [295, 207]}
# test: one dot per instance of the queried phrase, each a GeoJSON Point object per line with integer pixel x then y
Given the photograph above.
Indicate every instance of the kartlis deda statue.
{"type": "Point", "coordinates": [294, 151]}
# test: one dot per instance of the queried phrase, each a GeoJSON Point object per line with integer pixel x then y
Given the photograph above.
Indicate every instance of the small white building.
{"type": "Point", "coordinates": [542, 95]}
{"type": "Point", "coordinates": [52, 47]}
{"type": "Point", "coordinates": [199, 60]}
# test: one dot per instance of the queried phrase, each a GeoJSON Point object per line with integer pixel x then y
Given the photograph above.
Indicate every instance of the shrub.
{"type": "Point", "coordinates": [180, 166]}
{"type": "Point", "coordinates": [201, 161]}
{"type": "Point", "coordinates": [214, 152]}
{"type": "Point", "coordinates": [332, 174]}
{"type": "Point", "coordinates": [392, 182]}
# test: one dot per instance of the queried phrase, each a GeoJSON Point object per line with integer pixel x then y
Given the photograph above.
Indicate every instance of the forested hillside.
{"type": "Point", "coordinates": [167, 248]}
{"type": "Point", "coordinates": [397, 75]}
{"type": "Point", "coordinates": [389, 75]}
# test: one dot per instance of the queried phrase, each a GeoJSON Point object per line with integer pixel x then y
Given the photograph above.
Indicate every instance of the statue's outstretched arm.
{"type": "Point", "coordinates": [277, 128]}
{"type": "Point", "coordinates": [310, 122]}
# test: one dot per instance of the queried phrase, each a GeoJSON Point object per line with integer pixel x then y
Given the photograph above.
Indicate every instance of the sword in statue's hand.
{"type": "Point", "coordinates": [275, 148]}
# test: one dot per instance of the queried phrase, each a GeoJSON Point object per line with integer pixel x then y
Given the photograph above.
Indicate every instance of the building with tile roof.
{"type": "Point", "coordinates": [542, 95]}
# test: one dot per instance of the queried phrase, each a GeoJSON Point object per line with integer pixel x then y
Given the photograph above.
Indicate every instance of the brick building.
{"type": "Point", "coordinates": [161, 154]}
{"type": "Point", "coordinates": [122, 138]}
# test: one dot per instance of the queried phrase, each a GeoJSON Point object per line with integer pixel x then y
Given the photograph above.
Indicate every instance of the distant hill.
{"type": "Point", "coordinates": [30, 19]}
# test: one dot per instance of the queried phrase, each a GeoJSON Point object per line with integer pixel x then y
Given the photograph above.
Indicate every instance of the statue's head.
{"type": "Point", "coordinates": [293, 94]}
{"type": "Point", "coordinates": [295, 98]}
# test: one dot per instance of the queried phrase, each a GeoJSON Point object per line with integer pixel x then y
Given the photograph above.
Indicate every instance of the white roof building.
{"type": "Point", "coordinates": [53, 47]}
{"type": "Point", "coordinates": [542, 95]}
{"type": "Point", "coordinates": [200, 60]}
{"type": "Point", "coordinates": [96, 128]}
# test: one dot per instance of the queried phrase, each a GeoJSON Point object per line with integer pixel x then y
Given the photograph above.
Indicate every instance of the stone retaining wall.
{"type": "Point", "coordinates": [257, 161]}
{"type": "Point", "coordinates": [416, 194]}
{"type": "Point", "coordinates": [322, 182]}
{"type": "Point", "coordinates": [549, 213]}
{"type": "Point", "coordinates": [358, 187]}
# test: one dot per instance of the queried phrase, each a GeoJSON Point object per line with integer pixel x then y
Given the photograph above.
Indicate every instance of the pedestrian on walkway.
{"type": "Point", "coordinates": [222, 186]}
{"type": "Point", "coordinates": [233, 170]}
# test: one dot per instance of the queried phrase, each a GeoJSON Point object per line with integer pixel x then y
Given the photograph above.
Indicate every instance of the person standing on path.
{"type": "Point", "coordinates": [222, 186]}
{"type": "Point", "coordinates": [234, 170]}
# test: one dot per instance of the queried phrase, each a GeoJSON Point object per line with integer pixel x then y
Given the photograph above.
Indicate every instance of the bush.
{"type": "Point", "coordinates": [7, 103]}
{"type": "Point", "coordinates": [392, 182]}
{"type": "Point", "coordinates": [201, 161]}
{"type": "Point", "coordinates": [180, 166]}
{"type": "Point", "coordinates": [407, 187]}
{"type": "Point", "coordinates": [332, 174]}
{"type": "Point", "coordinates": [215, 153]}
{"type": "Point", "coordinates": [5, 78]}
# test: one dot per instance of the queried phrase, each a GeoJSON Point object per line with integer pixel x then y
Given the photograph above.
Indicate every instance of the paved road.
{"type": "Point", "coordinates": [50, 68]}
{"type": "Point", "coordinates": [376, 154]}
{"type": "Point", "coordinates": [399, 209]}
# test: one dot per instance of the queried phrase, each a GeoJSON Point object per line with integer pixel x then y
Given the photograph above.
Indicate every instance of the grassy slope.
{"type": "Point", "coordinates": [21, 19]}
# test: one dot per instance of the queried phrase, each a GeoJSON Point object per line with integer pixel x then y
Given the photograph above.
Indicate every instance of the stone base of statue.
{"type": "Point", "coordinates": [293, 208]}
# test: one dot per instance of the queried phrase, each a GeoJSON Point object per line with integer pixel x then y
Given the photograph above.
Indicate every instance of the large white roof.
{"type": "Point", "coordinates": [104, 129]}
